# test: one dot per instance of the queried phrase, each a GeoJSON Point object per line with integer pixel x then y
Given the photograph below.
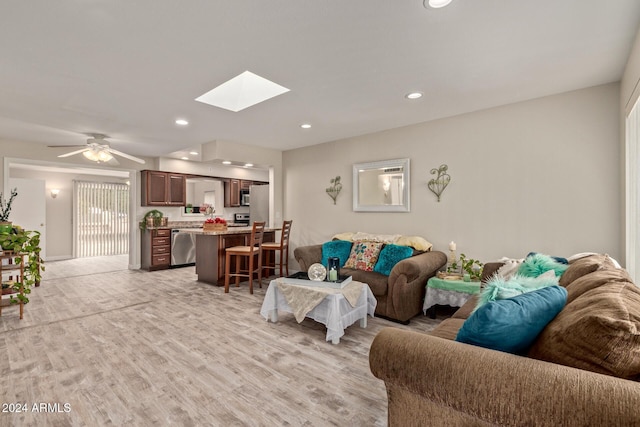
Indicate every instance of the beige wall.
{"type": "Point", "coordinates": [540, 175]}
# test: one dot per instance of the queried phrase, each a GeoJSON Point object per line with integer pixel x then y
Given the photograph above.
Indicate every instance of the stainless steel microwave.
{"type": "Point", "coordinates": [244, 198]}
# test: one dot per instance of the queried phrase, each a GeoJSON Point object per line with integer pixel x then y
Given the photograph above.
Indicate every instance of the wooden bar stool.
{"type": "Point", "coordinates": [283, 247]}
{"type": "Point", "coordinates": [253, 252]}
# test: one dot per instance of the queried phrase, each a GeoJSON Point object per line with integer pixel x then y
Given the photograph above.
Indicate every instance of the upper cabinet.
{"type": "Point", "coordinates": [235, 188]}
{"type": "Point", "coordinates": [232, 192]}
{"type": "Point", "coordinates": [163, 188]}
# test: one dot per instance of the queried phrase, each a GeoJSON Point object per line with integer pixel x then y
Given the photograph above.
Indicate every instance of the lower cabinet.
{"type": "Point", "coordinates": [156, 249]}
{"type": "Point", "coordinates": [211, 251]}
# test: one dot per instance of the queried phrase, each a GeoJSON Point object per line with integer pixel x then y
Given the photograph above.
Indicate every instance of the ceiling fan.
{"type": "Point", "coordinates": [98, 150]}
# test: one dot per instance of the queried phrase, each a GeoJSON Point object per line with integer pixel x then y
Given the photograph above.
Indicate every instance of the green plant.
{"type": "Point", "coordinates": [5, 206]}
{"type": "Point", "coordinates": [471, 266]}
{"type": "Point", "coordinates": [155, 214]}
{"type": "Point", "coordinates": [24, 242]}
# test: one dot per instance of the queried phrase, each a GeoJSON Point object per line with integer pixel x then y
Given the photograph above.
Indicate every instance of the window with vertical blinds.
{"type": "Point", "coordinates": [101, 213]}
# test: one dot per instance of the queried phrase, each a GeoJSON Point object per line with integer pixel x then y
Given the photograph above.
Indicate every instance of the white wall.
{"type": "Point", "coordinates": [540, 175]}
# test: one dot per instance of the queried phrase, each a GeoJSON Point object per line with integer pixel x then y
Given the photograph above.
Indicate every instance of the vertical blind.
{"type": "Point", "coordinates": [101, 218]}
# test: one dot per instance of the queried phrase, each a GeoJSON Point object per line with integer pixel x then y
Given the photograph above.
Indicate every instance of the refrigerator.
{"type": "Point", "coordinates": [259, 203]}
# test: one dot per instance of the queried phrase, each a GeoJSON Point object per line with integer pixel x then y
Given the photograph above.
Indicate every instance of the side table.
{"type": "Point", "coordinates": [448, 292]}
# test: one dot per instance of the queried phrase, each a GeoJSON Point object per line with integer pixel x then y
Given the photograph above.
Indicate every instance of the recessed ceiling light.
{"type": "Point", "coordinates": [248, 165]}
{"type": "Point", "coordinates": [241, 92]}
{"type": "Point", "coordinates": [184, 158]}
{"type": "Point", "coordinates": [436, 4]}
{"type": "Point", "coordinates": [182, 122]}
{"type": "Point", "coordinates": [226, 162]}
{"type": "Point", "coordinates": [413, 95]}
{"type": "Point", "coordinates": [193, 153]}
{"type": "Point", "coordinates": [305, 126]}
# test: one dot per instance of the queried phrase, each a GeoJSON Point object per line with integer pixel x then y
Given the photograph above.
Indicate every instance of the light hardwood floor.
{"type": "Point", "coordinates": [160, 348]}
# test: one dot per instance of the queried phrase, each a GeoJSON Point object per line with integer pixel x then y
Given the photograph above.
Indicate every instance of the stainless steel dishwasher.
{"type": "Point", "coordinates": [183, 248]}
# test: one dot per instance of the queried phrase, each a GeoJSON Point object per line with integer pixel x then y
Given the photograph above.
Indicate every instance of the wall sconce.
{"type": "Point", "coordinates": [54, 193]}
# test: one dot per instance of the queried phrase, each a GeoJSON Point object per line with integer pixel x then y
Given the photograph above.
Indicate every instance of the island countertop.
{"type": "Point", "coordinates": [211, 248]}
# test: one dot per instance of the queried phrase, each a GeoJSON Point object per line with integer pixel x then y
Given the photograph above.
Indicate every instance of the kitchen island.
{"type": "Point", "coordinates": [211, 246]}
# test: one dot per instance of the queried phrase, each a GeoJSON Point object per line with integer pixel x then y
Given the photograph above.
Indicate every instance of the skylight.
{"type": "Point", "coordinates": [241, 92]}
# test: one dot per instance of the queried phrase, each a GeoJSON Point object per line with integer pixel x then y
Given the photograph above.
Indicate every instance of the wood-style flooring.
{"type": "Point", "coordinates": [137, 348]}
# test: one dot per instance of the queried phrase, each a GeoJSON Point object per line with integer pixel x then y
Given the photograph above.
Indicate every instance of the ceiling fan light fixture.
{"type": "Point", "coordinates": [97, 155]}
{"type": "Point", "coordinates": [436, 4]}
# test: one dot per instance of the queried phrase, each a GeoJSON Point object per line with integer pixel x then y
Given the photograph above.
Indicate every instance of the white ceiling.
{"type": "Point", "coordinates": [129, 68]}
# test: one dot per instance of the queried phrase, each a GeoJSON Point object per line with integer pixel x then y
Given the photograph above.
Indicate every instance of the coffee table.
{"type": "Point", "coordinates": [334, 310]}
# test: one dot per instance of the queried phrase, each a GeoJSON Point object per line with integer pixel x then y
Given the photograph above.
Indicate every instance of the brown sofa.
{"type": "Point", "coordinates": [401, 294]}
{"type": "Point", "coordinates": [582, 370]}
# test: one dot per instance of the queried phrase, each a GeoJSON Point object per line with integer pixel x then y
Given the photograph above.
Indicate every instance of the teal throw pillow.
{"type": "Point", "coordinates": [512, 325]}
{"type": "Point", "coordinates": [497, 287]}
{"type": "Point", "coordinates": [336, 248]}
{"type": "Point", "coordinates": [390, 255]}
{"type": "Point", "coordinates": [537, 264]}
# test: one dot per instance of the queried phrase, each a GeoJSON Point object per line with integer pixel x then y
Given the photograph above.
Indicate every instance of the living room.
{"type": "Point", "coordinates": [543, 168]}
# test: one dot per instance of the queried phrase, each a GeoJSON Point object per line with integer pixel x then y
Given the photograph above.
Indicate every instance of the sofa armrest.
{"type": "Point", "coordinates": [307, 255]}
{"type": "Point", "coordinates": [489, 269]}
{"type": "Point", "coordinates": [428, 378]}
{"type": "Point", "coordinates": [419, 267]}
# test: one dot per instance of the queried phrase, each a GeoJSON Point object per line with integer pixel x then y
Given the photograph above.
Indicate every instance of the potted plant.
{"type": "Point", "coordinates": [5, 210]}
{"type": "Point", "coordinates": [472, 267]}
{"type": "Point", "coordinates": [24, 244]}
{"type": "Point", "coordinates": [189, 208]}
{"type": "Point", "coordinates": [151, 219]}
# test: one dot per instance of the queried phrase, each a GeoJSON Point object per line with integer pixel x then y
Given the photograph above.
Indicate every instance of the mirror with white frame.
{"type": "Point", "coordinates": [381, 186]}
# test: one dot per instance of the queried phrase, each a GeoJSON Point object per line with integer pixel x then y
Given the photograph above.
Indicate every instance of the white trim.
{"type": "Point", "coordinates": [632, 160]}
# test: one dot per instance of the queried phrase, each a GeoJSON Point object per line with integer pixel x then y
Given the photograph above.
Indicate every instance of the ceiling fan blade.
{"type": "Point", "coordinates": [73, 152]}
{"type": "Point", "coordinates": [126, 156]}
{"type": "Point", "coordinates": [113, 162]}
{"type": "Point", "coordinates": [66, 146]}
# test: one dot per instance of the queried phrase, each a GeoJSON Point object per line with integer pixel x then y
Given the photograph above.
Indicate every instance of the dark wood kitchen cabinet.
{"type": "Point", "coordinates": [231, 193]}
{"type": "Point", "coordinates": [156, 249]}
{"type": "Point", "coordinates": [163, 188]}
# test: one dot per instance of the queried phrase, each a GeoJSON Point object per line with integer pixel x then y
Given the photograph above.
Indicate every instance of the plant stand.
{"type": "Point", "coordinates": [12, 272]}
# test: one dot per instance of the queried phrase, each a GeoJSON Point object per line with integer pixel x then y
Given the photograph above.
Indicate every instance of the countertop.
{"type": "Point", "coordinates": [229, 230]}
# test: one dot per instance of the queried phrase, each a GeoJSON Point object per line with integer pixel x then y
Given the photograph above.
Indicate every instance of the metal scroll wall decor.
{"type": "Point", "coordinates": [335, 188]}
{"type": "Point", "coordinates": [440, 182]}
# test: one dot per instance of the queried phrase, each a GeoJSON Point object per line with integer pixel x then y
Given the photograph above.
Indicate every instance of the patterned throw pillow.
{"type": "Point", "coordinates": [364, 255]}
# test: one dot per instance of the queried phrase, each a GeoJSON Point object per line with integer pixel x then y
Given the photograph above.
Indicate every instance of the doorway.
{"type": "Point", "coordinates": [101, 218]}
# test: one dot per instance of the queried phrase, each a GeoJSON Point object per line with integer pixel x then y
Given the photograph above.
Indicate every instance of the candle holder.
{"type": "Point", "coordinates": [333, 269]}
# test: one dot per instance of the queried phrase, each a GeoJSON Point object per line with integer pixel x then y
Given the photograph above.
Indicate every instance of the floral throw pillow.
{"type": "Point", "coordinates": [364, 255]}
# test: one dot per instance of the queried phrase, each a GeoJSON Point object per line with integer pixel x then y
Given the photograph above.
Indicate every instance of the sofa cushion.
{"type": "Point", "coordinates": [583, 266]}
{"type": "Point", "coordinates": [416, 242]}
{"type": "Point", "coordinates": [336, 248]}
{"type": "Point", "coordinates": [390, 255]}
{"type": "Point", "coordinates": [378, 283]}
{"type": "Point", "coordinates": [363, 255]}
{"type": "Point", "coordinates": [498, 287]}
{"type": "Point", "coordinates": [598, 331]}
{"type": "Point", "coordinates": [448, 328]}
{"type": "Point", "coordinates": [594, 280]}
{"type": "Point", "coordinates": [536, 264]}
{"type": "Point", "coordinates": [512, 324]}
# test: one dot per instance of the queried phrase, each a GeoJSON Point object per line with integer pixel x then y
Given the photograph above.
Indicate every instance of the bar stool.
{"type": "Point", "coordinates": [253, 251]}
{"type": "Point", "coordinates": [283, 246]}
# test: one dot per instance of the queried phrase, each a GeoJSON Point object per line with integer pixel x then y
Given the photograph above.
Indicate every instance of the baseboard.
{"type": "Point", "coordinates": [58, 258]}
{"type": "Point", "coordinates": [402, 322]}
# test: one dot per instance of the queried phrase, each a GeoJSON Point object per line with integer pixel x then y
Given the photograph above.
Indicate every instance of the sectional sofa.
{"type": "Point", "coordinates": [582, 370]}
